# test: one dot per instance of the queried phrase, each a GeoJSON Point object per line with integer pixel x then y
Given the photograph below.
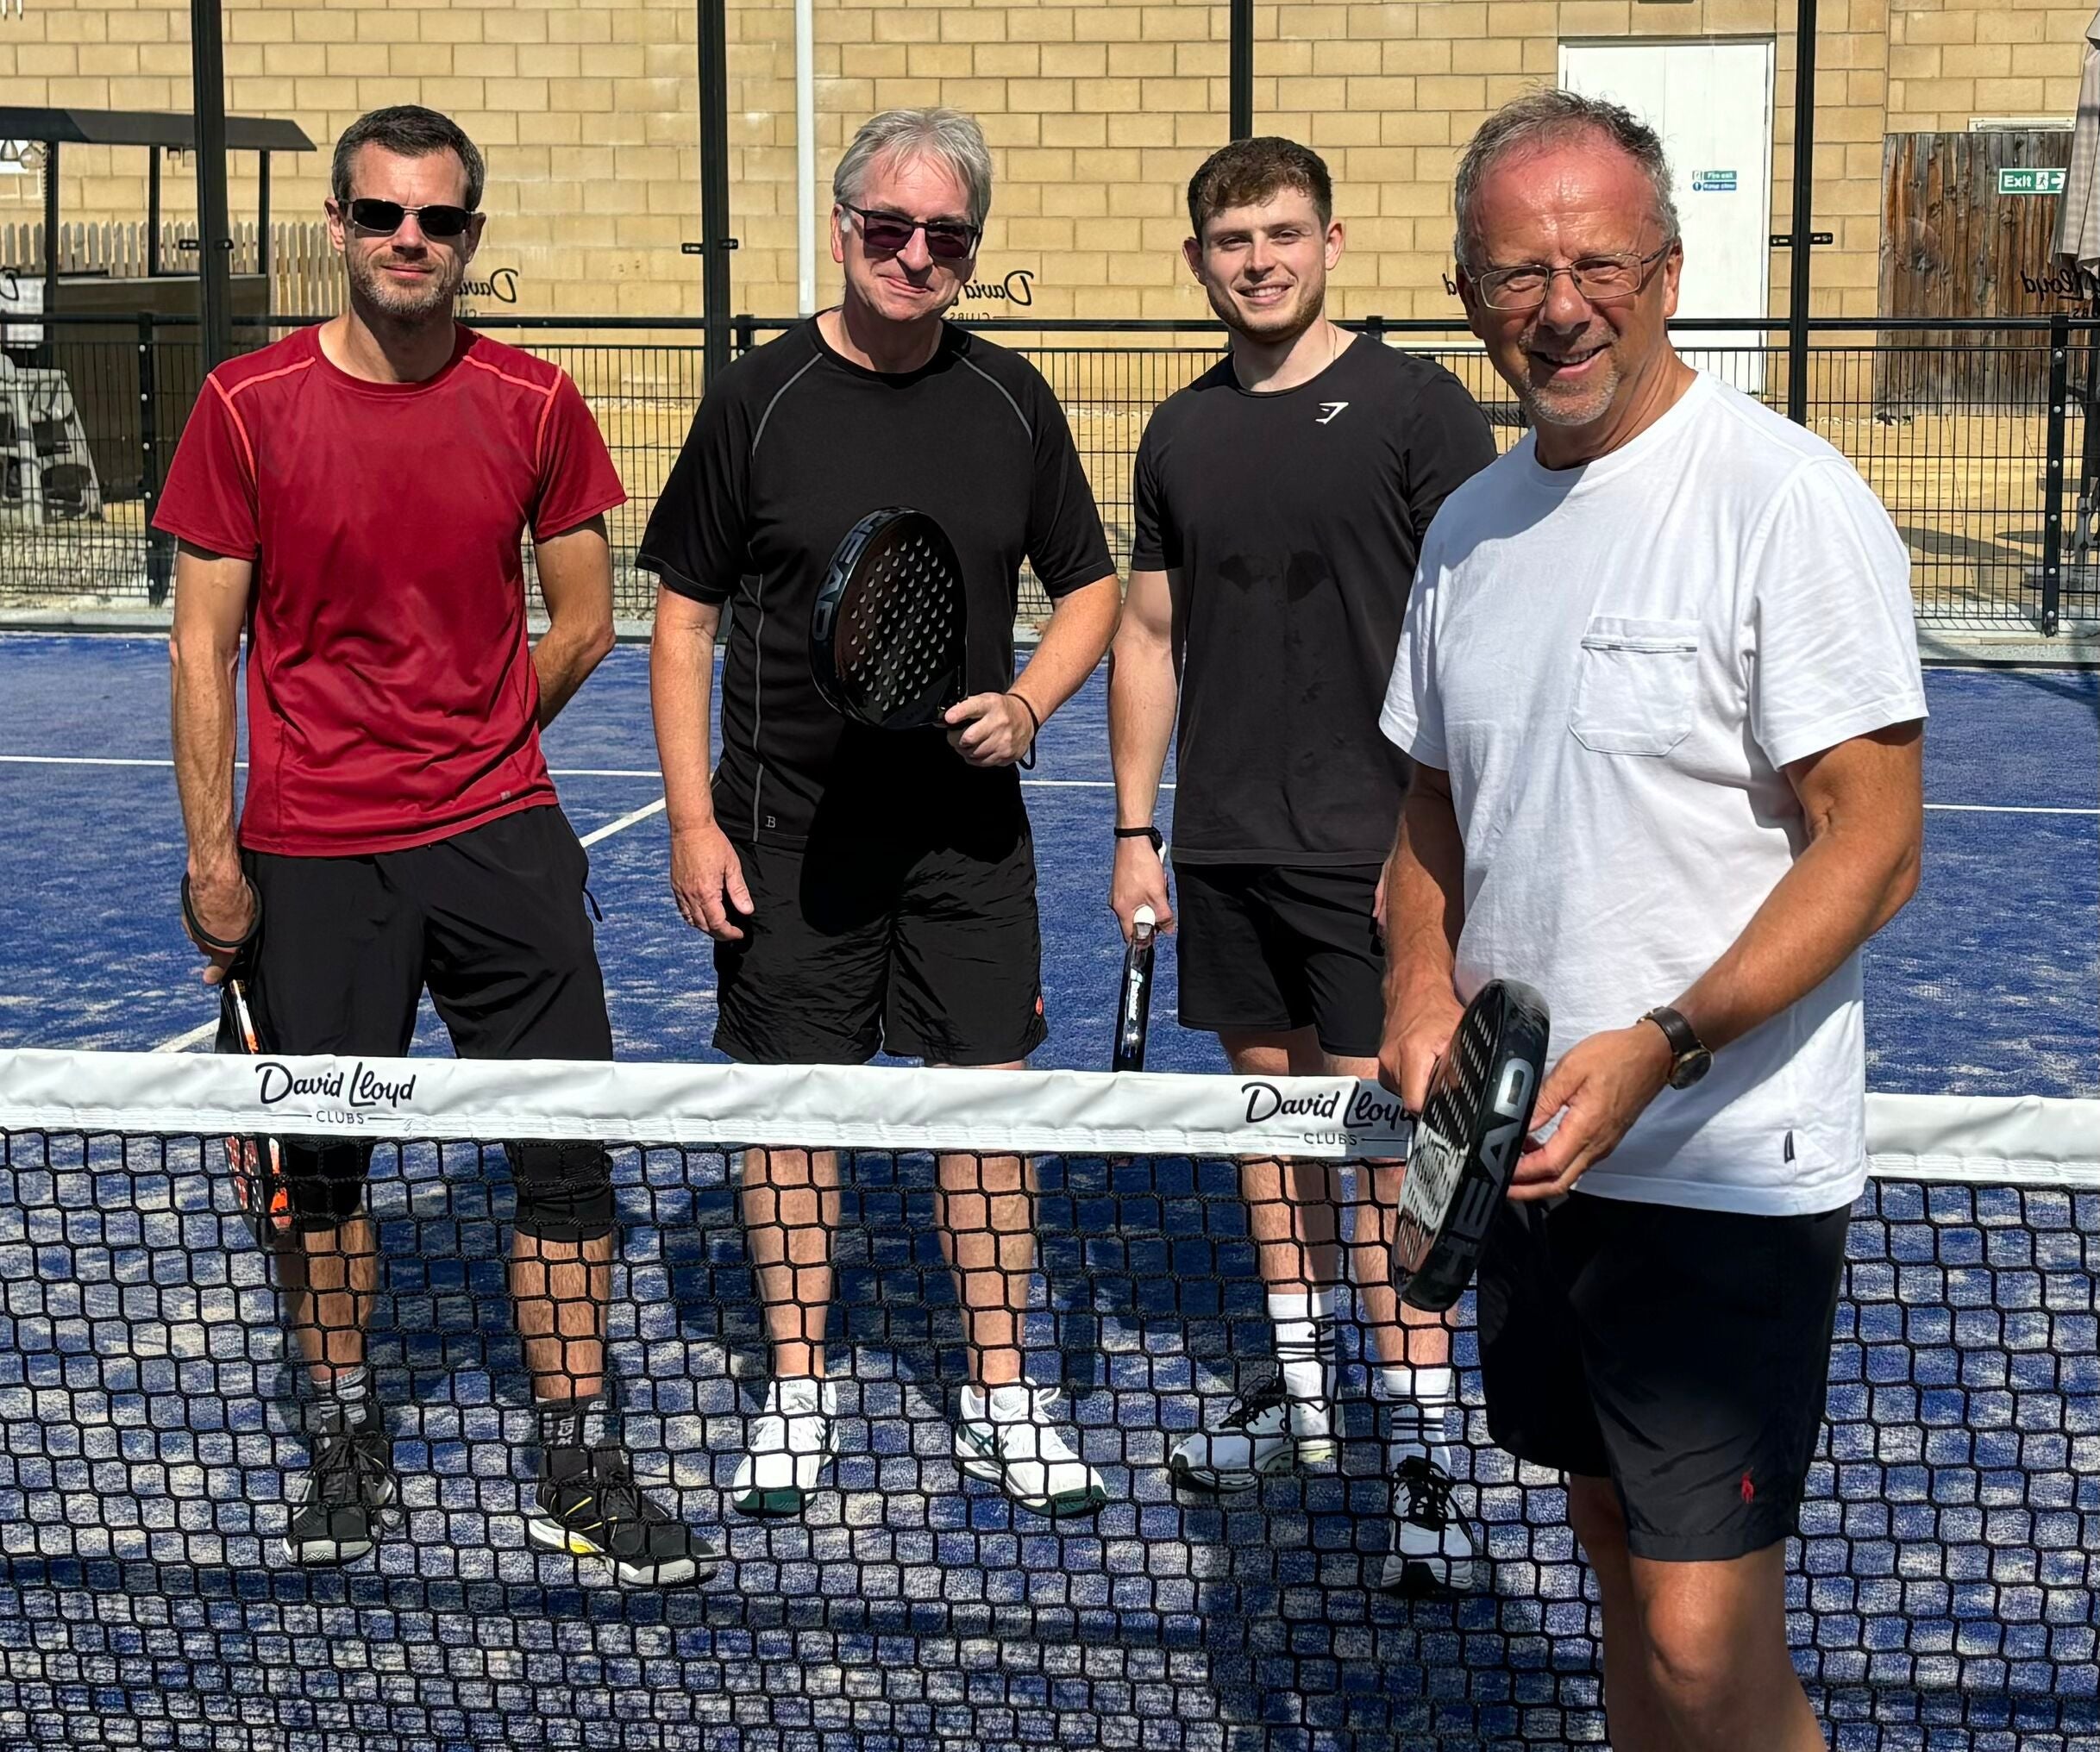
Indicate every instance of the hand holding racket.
{"type": "Point", "coordinates": [227, 932]}
{"type": "Point", "coordinates": [1599, 1089]}
{"type": "Point", "coordinates": [993, 729]}
{"type": "Point", "coordinates": [1475, 1118]}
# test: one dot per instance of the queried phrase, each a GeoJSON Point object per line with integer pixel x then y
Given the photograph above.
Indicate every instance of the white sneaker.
{"type": "Point", "coordinates": [791, 1444]}
{"type": "Point", "coordinates": [1433, 1549]}
{"type": "Point", "coordinates": [1263, 1431]}
{"type": "Point", "coordinates": [1009, 1438]}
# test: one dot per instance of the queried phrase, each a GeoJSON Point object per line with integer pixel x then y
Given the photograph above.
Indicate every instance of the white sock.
{"type": "Point", "coordinates": [1304, 1325]}
{"type": "Point", "coordinates": [1423, 1400]}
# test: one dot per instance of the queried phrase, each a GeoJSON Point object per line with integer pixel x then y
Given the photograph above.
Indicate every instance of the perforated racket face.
{"type": "Point", "coordinates": [887, 638]}
{"type": "Point", "coordinates": [1467, 1142]}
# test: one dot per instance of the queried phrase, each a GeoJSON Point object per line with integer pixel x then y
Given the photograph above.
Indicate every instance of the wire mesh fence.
{"type": "Point", "coordinates": [1978, 437]}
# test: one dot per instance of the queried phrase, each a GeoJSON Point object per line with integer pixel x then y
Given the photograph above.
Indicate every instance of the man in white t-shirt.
{"type": "Point", "coordinates": [1660, 685]}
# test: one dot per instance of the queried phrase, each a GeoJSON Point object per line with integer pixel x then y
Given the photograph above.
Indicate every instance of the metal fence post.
{"type": "Point", "coordinates": [2052, 477]}
{"type": "Point", "coordinates": [159, 551]}
{"type": "Point", "coordinates": [744, 328]}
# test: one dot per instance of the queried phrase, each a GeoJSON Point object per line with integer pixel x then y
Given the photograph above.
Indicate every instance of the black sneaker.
{"type": "Point", "coordinates": [337, 1505]}
{"type": "Point", "coordinates": [590, 1506]}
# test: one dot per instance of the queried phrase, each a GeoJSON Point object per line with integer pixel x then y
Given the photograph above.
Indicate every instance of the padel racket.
{"type": "Point", "coordinates": [1473, 1124]}
{"type": "Point", "coordinates": [1134, 1006]}
{"type": "Point", "coordinates": [888, 636]}
{"type": "Point", "coordinates": [255, 1163]}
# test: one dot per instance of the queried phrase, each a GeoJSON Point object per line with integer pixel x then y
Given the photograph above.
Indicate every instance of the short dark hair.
{"type": "Point", "coordinates": [1249, 171]}
{"type": "Point", "coordinates": [410, 131]}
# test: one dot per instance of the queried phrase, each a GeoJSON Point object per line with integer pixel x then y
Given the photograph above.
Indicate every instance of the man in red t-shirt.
{"type": "Point", "coordinates": [356, 494]}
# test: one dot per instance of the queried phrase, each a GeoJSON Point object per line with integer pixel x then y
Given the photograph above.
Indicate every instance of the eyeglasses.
{"type": "Point", "coordinates": [1603, 279]}
{"type": "Point", "coordinates": [890, 234]}
{"type": "Point", "coordinates": [385, 217]}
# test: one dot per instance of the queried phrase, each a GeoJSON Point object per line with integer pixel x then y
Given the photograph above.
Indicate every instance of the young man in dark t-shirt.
{"type": "Point", "coordinates": [355, 494]}
{"type": "Point", "coordinates": [1280, 501]}
{"type": "Point", "coordinates": [869, 890]}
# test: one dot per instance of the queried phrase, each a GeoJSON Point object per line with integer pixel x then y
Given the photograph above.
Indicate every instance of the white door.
{"type": "Point", "coordinates": [1712, 104]}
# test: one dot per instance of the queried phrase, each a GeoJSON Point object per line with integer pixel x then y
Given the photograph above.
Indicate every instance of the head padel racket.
{"type": "Point", "coordinates": [1134, 1006]}
{"type": "Point", "coordinates": [888, 634]}
{"type": "Point", "coordinates": [1471, 1132]}
{"type": "Point", "coordinates": [256, 1163]}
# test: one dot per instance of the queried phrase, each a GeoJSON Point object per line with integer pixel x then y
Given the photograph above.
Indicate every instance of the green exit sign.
{"type": "Point", "coordinates": [2031, 182]}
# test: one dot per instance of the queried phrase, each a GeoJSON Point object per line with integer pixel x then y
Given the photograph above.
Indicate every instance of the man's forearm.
{"type": "Point", "coordinates": [205, 731]}
{"type": "Point", "coordinates": [1142, 700]}
{"type": "Point", "coordinates": [1425, 901]}
{"type": "Point", "coordinates": [1838, 893]}
{"type": "Point", "coordinates": [563, 658]}
{"type": "Point", "coordinates": [681, 670]}
{"type": "Point", "coordinates": [1080, 625]}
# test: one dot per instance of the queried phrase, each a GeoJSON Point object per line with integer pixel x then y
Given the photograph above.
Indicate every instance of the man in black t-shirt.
{"type": "Point", "coordinates": [870, 890]}
{"type": "Point", "coordinates": [1280, 501]}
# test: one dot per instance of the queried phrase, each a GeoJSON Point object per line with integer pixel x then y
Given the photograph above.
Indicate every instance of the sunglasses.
{"type": "Point", "coordinates": [385, 217]}
{"type": "Point", "coordinates": [890, 234]}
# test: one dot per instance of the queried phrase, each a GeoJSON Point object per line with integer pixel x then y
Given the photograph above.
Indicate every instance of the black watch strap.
{"type": "Point", "coordinates": [1146, 832]}
{"type": "Point", "coordinates": [1682, 1037]}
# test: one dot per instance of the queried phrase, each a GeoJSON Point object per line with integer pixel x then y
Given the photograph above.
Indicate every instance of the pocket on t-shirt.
{"type": "Point", "coordinates": [1633, 685]}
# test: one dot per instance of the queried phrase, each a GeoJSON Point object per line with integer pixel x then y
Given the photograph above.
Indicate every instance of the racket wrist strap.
{"type": "Point", "coordinates": [1035, 722]}
{"type": "Point", "coordinates": [219, 945]}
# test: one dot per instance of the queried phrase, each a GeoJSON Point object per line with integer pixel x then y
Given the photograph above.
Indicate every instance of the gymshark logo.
{"type": "Point", "coordinates": [1329, 409]}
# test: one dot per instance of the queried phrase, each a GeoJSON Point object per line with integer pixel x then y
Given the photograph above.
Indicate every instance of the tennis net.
{"type": "Point", "coordinates": [1943, 1594]}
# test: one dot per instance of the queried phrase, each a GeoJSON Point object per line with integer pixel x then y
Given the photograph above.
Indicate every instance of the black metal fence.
{"type": "Point", "coordinates": [1991, 470]}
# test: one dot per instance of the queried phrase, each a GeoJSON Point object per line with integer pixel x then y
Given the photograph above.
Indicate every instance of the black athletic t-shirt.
{"type": "Point", "coordinates": [1290, 524]}
{"type": "Point", "coordinates": [793, 447]}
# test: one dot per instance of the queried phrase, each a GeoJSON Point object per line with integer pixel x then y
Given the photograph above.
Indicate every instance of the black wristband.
{"type": "Point", "coordinates": [1146, 832]}
{"type": "Point", "coordinates": [220, 946]}
{"type": "Point", "coordinates": [1028, 761]}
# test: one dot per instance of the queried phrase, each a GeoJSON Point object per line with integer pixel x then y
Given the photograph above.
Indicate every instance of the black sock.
{"type": "Point", "coordinates": [584, 1423]}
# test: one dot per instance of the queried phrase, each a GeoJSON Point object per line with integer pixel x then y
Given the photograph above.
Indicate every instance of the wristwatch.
{"type": "Point", "coordinates": [1690, 1059]}
{"type": "Point", "coordinates": [1147, 832]}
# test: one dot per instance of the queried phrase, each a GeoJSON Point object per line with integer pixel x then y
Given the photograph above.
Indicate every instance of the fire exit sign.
{"type": "Point", "coordinates": [2030, 181]}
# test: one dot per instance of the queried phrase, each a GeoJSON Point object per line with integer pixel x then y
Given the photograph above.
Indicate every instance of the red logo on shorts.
{"type": "Point", "coordinates": [1749, 1490]}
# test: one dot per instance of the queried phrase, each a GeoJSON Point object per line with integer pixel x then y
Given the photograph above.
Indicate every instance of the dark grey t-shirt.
{"type": "Point", "coordinates": [793, 447]}
{"type": "Point", "coordinates": [1291, 524]}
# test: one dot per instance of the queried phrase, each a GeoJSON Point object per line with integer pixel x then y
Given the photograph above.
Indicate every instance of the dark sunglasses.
{"type": "Point", "coordinates": [890, 234]}
{"type": "Point", "coordinates": [385, 217]}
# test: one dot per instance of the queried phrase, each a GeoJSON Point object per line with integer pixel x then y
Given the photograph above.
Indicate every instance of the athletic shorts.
{"type": "Point", "coordinates": [492, 922]}
{"type": "Point", "coordinates": [1683, 1354]}
{"type": "Point", "coordinates": [1270, 949]}
{"type": "Point", "coordinates": [882, 945]}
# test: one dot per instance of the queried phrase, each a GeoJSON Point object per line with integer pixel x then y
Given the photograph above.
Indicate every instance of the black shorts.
{"type": "Point", "coordinates": [492, 922]}
{"type": "Point", "coordinates": [1683, 1354]}
{"type": "Point", "coordinates": [1270, 949]}
{"type": "Point", "coordinates": [881, 945]}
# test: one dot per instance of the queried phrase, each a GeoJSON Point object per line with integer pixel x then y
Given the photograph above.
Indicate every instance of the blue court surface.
{"type": "Point", "coordinates": [1988, 982]}
{"type": "Point", "coordinates": [1943, 1595]}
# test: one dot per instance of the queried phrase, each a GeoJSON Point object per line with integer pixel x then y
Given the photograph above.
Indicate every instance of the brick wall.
{"type": "Point", "coordinates": [1097, 115]}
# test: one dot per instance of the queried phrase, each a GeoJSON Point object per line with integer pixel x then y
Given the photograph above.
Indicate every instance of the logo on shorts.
{"type": "Point", "coordinates": [1327, 411]}
{"type": "Point", "coordinates": [1749, 1490]}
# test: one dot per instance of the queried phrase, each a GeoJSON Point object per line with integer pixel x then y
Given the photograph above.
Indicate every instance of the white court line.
{"type": "Point", "coordinates": [204, 1030]}
{"type": "Point", "coordinates": [2009, 809]}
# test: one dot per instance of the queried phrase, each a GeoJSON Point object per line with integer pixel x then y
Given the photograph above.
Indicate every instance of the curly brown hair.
{"type": "Point", "coordinates": [1249, 171]}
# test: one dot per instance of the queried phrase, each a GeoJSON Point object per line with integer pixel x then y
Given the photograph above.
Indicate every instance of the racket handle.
{"type": "Point", "coordinates": [1144, 921]}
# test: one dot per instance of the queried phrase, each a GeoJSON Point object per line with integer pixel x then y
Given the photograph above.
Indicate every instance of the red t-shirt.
{"type": "Point", "coordinates": [392, 699]}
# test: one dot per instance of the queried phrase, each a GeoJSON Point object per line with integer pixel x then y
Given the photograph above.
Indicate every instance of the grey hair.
{"type": "Point", "coordinates": [1547, 117]}
{"type": "Point", "coordinates": [407, 130]}
{"type": "Point", "coordinates": [947, 136]}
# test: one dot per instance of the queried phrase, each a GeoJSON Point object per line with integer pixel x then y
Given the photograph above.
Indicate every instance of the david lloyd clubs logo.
{"type": "Point", "coordinates": [344, 1095]}
{"type": "Point", "coordinates": [1348, 1108]}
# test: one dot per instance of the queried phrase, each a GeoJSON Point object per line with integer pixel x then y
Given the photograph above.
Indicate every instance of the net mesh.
{"type": "Point", "coordinates": [153, 1430]}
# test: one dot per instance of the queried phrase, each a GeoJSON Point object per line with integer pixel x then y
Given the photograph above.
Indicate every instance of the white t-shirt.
{"type": "Point", "coordinates": [1612, 663]}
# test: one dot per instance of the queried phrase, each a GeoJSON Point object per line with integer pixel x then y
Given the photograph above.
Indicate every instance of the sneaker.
{"type": "Point", "coordinates": [1008, 1437]}
{"type": "Point", "coordinates": [795, 1438]}
{"type": "Point", "coordinates": [1263, 1431]}
{"type": "Point", "coordinates": [589, 1506]}
{"type": "Point", "coordinates": [1433, 1549]}
{"type": "Point", "coordinates": [351, 1480]}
